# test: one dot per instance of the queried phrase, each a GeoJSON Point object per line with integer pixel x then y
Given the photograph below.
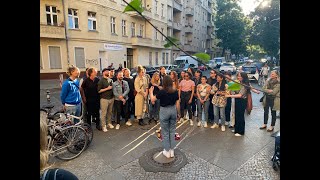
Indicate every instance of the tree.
{"type": "Point", "coordinates": [231, 26]}
{"type": "Point", "coordinates": [266, 27]}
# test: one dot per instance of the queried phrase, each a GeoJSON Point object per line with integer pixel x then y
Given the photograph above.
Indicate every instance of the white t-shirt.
{"type": "Point", "coordinates": [265, 71]}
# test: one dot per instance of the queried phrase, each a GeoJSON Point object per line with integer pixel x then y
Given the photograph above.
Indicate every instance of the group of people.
{"type": "Point", "coordinates": [165, 98]}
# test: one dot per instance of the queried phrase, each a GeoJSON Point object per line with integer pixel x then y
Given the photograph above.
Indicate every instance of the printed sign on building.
{"type": "Point", "coordinates": [113, 47]}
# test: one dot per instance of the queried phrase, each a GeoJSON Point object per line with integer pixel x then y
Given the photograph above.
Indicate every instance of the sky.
{"type": "Point", "coordinates": [249, 5]}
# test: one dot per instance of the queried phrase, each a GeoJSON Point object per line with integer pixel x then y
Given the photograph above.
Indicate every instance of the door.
{"type": "Point", "coordinates": [129, 58]}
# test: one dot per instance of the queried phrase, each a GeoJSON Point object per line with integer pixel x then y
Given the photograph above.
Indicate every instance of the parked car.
{"type": "Point", "coordinates": [228, 67]}
{"type": "Point", "coordinates": [169, 68]}
{"type": "Point", "coordinates": [149, 70]}
{"type": "Point", "coordinates": [252, 72]}
{"type": "Point", "coordinates": [259, 65]}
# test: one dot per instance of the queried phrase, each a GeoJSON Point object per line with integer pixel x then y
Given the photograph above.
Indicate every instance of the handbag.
{"type": "Point", "coordinates": [261, 99]}
{"type": "Point", "coordinates": [249, 103]}
{"type": "Point", "coordinates": [219, 101]}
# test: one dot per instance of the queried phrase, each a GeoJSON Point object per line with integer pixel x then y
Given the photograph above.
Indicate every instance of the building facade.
{"type": "Point", "coordinates": [96, 33]}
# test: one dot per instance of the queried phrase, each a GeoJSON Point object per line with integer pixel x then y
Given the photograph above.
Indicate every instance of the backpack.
{"type": "Point", "coordinates": [49, 174]}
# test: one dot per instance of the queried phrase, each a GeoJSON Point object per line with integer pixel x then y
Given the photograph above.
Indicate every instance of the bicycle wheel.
{"type": "Point", "coordinates": [89, 132]}
{"type": "Point", "coordinates": [69, 143]}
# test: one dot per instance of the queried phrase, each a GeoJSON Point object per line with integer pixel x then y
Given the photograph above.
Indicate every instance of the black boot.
{"type": "Point", "coordinates": [141, 123]}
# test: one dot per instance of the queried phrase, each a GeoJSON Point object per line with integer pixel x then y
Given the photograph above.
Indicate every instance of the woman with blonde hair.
{"type": "Point", "coordinates": [70, 93]}
{"type": "Point", "coordinates": [45, 172]}
{"type": "Point", "coordinates": [141, 87]}
{"type": "Point", "coordinates": [155, 106]}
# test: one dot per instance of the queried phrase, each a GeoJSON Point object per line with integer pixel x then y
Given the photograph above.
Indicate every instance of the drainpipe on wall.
{"type": "Point", "coordinates": [66, 31]}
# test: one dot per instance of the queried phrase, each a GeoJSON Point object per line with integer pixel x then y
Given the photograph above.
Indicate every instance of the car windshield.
{"type": "Point", "coordinates": [226, 64]}
{"type": "Point", "coordinates": [178, 62]}
{"type": "Point", "coordinates": [181, 65]}
{"type": "Point", "coordinates": [249, 69]}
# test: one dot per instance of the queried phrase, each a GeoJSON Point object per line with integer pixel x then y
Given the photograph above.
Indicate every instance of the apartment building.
{"type": "Point", "coordinates": [96, 33]}
{"type": "Point", "coordinates": [191, 21]}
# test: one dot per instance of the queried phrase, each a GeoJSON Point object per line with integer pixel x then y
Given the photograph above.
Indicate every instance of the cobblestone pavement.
{"type": "Point", "coordinates": [211, 154]}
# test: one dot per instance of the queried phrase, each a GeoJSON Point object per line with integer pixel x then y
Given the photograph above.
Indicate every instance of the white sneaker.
{"type": "Point", "coordinates": [117, 126]}
{"type": "Point", "coordinates": [191, 122]}
{"type": "Point", "coordinates": [226, 123]}
{"type": "Point", "coordinates": [199, 124]}
{"type": "Point", "coordinates": [128, 123]}
{"type": "Point", "coordinates": [181, 120]}
{"type": "Point", "coordinates": [237, 134]}
{"type": "Point", "coordinates": [171, 152]}
{"type": "Point", "coordinates": [223, 128]}
{"type": "Point", "coordinates": [205, 124]}
{"type": "Point", "coordinates": [214, 126]}
{"type": "Point", "coordinates": [166, 153]}
{"type": "Point", "coordinates": [110, 126]}
{"type": "Point", "coordinates": [104, 128]}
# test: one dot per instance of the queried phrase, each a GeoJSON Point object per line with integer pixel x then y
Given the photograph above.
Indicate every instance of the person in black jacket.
{"type": "Point", "coordinates": [130, 101]}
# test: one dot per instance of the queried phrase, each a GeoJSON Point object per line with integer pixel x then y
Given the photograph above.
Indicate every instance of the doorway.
{"type": "Point", "coordinates": [129, 63]}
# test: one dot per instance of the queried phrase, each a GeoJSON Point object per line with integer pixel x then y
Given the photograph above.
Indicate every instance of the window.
{"type": "Point", "coordinates": [150, 58]}
{"type": "Point", "coordinates": [79, 57]}
{"type": "Point", "coordinates": [156, 33]}
{"type": "Point", "coordinates": [162, 9]}
{"type": "Point", "coordinates": [92, 21]}
{"type": "Point", "coordinates": [141, 30]}
{"type": "Point", "coordinates": [124, 29]}
{"type": "Point", "coordinates": [55, 57]}
{"type": "Point", "coordinates": [156, 6]}
{"type": "Point", "coordinates": [41, 67]}
{"type": "Point", "coordinates": [163, 38]}
{"type": "Point", "coordinates": [73, 19]}
{"type": "Point", "coordinates": [156, 55]}
{"type": "Point", "coordinates": [167, 58]}
{"type": "Point", "coordinates": [133, 29]}
{"type": "Point", "coordinates": [52, 16]}
{"type": "Point", "coordinates": [113, 25]}
{"type": "Point", "coordinates": [163, 57]}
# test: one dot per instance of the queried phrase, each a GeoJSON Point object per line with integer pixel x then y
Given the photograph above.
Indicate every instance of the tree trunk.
{"type": "Point", "coordinates": [223, 50]}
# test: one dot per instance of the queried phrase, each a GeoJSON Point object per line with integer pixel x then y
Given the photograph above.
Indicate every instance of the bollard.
{"type": "Point", "coordinates": [48, 96]}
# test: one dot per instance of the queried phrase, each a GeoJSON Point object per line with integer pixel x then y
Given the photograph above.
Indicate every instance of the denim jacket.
{"type": "Point", "coordinates": [117, 90]}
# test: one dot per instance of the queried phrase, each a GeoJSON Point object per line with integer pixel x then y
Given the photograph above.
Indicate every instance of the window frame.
{"type": "Point", "coordinates": [113, 25]}
{"type": "Point", "coordinates": [141, 30]}
{"type": "Point", "coordinates": [49, 55]}
{"type": "Point", "coordinates": [73, 18]}
{"type": "Point", "coordinates": [74, 55]}
{"type": "Point", "coordinates": [133, 29]}
{"type": "Point", "coordinates": [51, 13]}
{"type": "Point", "coordinates": [123, 27]}
{"type": "Point", "coordinates": [92, 18]}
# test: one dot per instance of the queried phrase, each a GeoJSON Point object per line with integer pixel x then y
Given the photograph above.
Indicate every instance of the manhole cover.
{"type": "Point", "coordinates": [154, 161]}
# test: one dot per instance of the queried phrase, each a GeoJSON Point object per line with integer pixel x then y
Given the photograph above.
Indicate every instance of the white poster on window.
{"type": "Point", "coordinates": [113, 47]}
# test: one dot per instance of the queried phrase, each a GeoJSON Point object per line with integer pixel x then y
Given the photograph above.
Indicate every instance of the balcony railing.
{"type": "Point", "coordinates": [136, 41]}
{"type": "Point", "coordinates": [188, 29]}
{"type": "Point", "coordinates": [169, 23]}
{"type": "Point", "coordinates": [49, 31]}
{"type": "Point", "coordinates": [189, 11]}
{"type": "Point", "coordinates": [145, 13]}
{"type": "Point", "coordinates": [177, 26]}
{"type": "Point", "coordinates": [177, 5]}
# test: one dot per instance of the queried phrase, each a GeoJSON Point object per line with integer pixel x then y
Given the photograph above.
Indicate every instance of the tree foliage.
{"type": "Point", "coordinates": [231, 26]}
{"type": "Point", "coordinates": [266, 27]}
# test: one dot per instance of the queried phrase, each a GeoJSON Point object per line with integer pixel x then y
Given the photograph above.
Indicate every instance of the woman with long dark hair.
{"type": "Point", "coordinates": [154, 107]}
{"type": "Point", "coordinates": [219, 101]}
{"type": "Point", "coordinates": [240, 103]}
{"type": "Point", "coordinates": [271, 99]}
{"type": "Point", "coordinates": [175, 85]}
{"type": "Point", "coordinates": [168, 112]}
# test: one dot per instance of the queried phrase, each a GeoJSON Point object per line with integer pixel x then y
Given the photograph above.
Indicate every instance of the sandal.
{"type": "Point", "coordinates": [270, 130]}
{"type": "Point", "coordinates": [262, 127]}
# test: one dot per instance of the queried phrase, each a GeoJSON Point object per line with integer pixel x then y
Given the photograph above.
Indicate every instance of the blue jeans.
{"type": "Point", "coordinates": [74, 110]}
{"type": "Point", "coordinates": [205, 109]}
{"type": "Point", "coordinates": [216, 114]}
{"type": "Point", "coordinates": [154, 109]}
{"type": "Point", "coordinates": [168, 118]}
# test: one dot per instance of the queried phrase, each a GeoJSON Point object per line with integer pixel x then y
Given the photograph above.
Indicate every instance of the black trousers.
{"type": "Point", "coordinates": [193, 105]}
{"type": "Point", "coordinates": [185, 97]}
{"type": "Point", "coordinates": [119, 106]}
{"type": "Point", "coordinates": [131, 106]}
{"type": "Point", "coordinates": [240, 107]}
{"type": "Point", "coordinates": [93, 108]}
{"type": "Point", "coordinates": [210, 111]}
{"type": "Point", "coordinates": [269, 104]}
{"type": "Point", "coordinates": [228, 109]}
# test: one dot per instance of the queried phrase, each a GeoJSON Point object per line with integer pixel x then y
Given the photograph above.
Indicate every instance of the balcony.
{"type": "Point", "coordinates": [177, 6]}
{"type": "Point", "coordinates": [145, 13]}
{"type": "Point", "coordinates": [176, 26]}
{"type": "Point", "coordinates": [169, 23]}
{"type": "Point", "coordinates": [209, 23]}
{"type": "Point", "coordinates": [159, 43]}
{"type": "Point", "coordinates": [141, 41]}
{"type": "Point", "coordinates": [47, 31]}
{"type": "Point", "coordinates": [188, 47]}
{"type": "Point", "coordinates": [188, 29]}
{"type": "Point", "coordinates": [189, 11]}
